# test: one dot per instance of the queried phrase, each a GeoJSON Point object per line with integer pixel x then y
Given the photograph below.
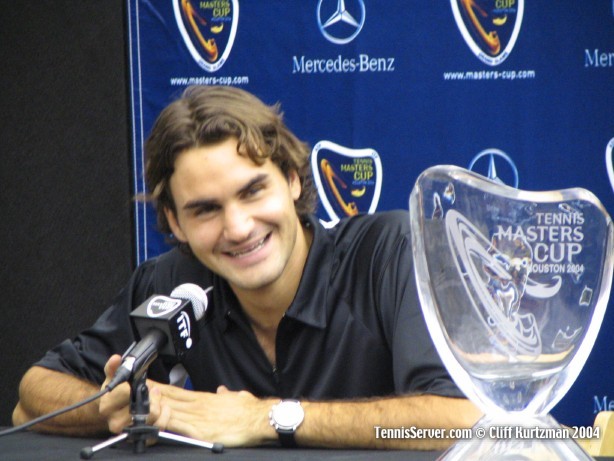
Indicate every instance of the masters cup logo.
{"type": "Point", "coordinates": [489, 27]}
{"type": "Point", "coordinates": [537, 258]}
{"type": "Point", "coordinates": [349, 181]}
{"type": "Point", "coordinates": [208, 29]}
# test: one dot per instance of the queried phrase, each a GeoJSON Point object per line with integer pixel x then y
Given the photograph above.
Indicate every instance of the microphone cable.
{"type": "Point", "coordinates": [55, 413]}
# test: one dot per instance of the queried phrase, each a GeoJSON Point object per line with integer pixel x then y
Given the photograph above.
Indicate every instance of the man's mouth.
{"type": "Point", "coordinates": [252, 249]}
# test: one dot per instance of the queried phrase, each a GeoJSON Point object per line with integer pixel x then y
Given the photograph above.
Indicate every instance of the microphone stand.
{"type": "Point", "coordinates": [139, 432]}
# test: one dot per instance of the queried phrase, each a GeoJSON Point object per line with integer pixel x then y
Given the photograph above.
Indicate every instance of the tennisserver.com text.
{"type": "Point", "coordinates": [414, 432]}
{"type": "Point", "coordinates": [493, 432]}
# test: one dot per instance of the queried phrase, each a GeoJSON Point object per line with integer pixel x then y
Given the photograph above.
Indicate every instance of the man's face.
{"type": "Point", "coordinates": [237, 217]}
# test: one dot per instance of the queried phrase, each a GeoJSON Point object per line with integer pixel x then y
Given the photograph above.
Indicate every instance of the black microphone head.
{"type": "Point", "coordinates": [175, 316]}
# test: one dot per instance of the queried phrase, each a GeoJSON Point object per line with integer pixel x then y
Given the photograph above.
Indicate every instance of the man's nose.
{"type": "Point", "coordinates": [238, 223]}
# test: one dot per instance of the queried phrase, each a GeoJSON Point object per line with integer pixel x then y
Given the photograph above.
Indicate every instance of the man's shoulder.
{"type": "Point", "coordinates": [387, 223]}
{"type": "Point", "coordinates": [394, 218]}
{"type": "Point", "coordinates": [370, 235]}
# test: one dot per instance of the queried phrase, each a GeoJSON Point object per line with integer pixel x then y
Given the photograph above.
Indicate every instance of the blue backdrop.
{"type": "Point", "coordinates": [383, 89]}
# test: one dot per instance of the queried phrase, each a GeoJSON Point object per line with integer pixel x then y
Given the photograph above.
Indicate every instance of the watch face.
{"type": "Point", "coordinates": [288, 415]}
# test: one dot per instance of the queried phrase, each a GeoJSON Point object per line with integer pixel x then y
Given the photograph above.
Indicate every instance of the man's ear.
{"type": "Point", "coordinates": [295, 184]}
{"type": "Point", "coordinates": [174, 225]}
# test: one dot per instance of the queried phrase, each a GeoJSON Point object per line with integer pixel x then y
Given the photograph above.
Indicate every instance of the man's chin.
{"type": "Point", "coordinates": [254, 282]}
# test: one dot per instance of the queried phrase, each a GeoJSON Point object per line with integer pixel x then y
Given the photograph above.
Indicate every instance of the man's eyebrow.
{"type": "Point", "coordinates": [200, 203]}
{"type": "Point", "coordinates": [255, 180]}
{"type": "Point", "coordinates": [211, 203]}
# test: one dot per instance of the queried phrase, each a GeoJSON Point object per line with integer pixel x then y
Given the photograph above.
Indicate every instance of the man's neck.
{"type": "Point", "coordinates": [266, 306]}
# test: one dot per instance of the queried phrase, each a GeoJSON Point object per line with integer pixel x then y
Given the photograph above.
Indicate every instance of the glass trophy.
{"type": "Point", "coordinates": [513, 286]}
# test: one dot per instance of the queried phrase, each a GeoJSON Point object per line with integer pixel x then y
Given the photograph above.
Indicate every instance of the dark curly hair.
{"type": "Point", "coordinates": [206, 115]}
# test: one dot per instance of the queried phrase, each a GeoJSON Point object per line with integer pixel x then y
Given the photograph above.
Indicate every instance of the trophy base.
{"type": "Point", "coordinates": [519, 438]}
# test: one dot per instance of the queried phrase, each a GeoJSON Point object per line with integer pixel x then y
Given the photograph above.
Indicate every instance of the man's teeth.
{"type": "Point", "coordinates": [256, 247]}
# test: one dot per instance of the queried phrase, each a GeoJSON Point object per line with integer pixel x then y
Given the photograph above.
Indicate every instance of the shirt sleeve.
{"type": "Point", "coordinates": [417, 367]}
{"type": "Point", "coordinates": [86, 354]}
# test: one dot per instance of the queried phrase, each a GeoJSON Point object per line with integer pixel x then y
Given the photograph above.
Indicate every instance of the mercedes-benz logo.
{"type": "Point", "coordinates": [506, 172]}
{"type": "Point", "coordinates": [344, 24]}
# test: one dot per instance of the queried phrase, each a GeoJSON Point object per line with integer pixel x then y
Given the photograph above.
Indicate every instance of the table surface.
{"type": "Point", "coordinates": [28, 446]}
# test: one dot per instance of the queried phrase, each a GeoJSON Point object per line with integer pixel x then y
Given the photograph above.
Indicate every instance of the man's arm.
{"type": "Point", "coordinates": [42, 391]}
{"type": "Point", "coordinates": [353, 424]}
{"type": "Point", "coordinates": [240, 419]}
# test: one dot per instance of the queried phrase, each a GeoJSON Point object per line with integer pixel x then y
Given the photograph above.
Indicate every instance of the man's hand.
{"type": "Point", "coordinates": [115, 406]}
{"type": "Point", "coordinates": [230, 418]}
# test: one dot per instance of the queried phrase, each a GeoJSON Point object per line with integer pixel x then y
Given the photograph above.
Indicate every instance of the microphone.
{"type": "Point", "coordinates": [166, 326]}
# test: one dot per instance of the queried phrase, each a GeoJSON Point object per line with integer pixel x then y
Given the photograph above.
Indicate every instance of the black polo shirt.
{"type": "Point", "coordinates": [354, 329]}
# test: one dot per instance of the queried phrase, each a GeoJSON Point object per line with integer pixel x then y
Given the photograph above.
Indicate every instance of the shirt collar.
{"type": "Point", "coordinates": [309, 305]}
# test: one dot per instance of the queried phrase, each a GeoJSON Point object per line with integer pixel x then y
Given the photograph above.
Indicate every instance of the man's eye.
{"type": "Point", "coordinates": [205, 210]}
{"type": "Point", "coordinates": [253, 190]}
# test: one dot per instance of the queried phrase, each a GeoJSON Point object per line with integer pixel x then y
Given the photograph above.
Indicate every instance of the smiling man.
{"type": "Point", "coordinates": [312, 336]}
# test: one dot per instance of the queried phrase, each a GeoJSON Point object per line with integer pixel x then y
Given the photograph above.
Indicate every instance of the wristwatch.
{"type": "Point", "coordinates": [286, 417]}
